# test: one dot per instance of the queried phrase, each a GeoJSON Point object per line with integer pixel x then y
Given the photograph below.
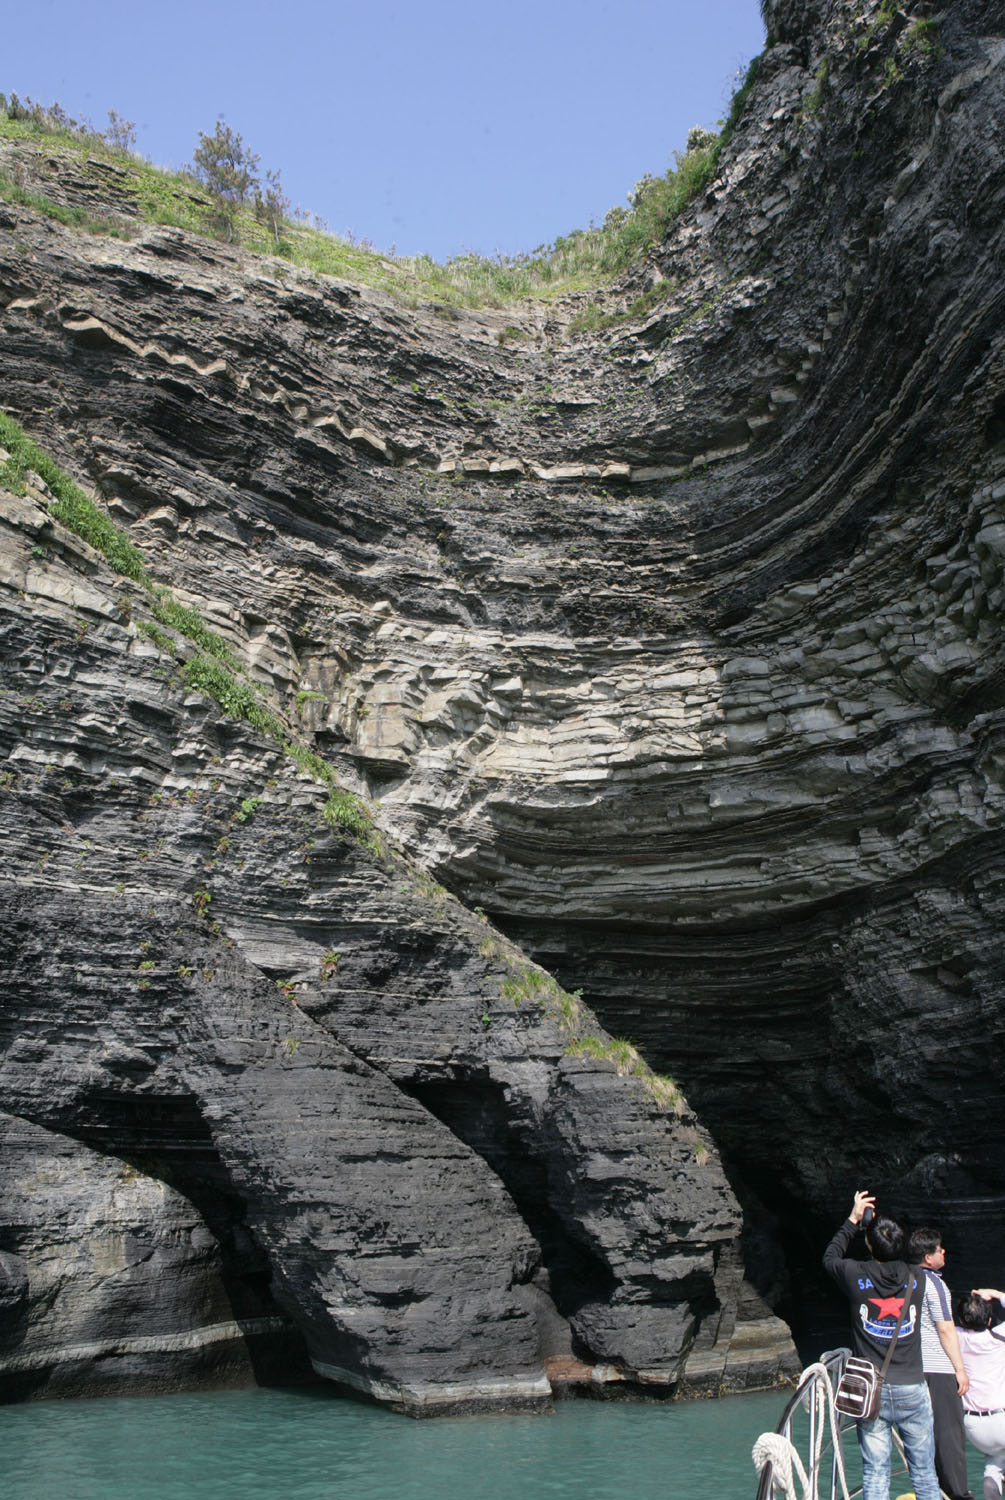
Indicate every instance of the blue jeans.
{"type": "Point", "coordinates": [909, 1409]}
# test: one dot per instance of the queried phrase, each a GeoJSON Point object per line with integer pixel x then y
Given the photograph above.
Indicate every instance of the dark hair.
{"type": "Point", "coordinates": [974, 1313]}
{"type": "Point", "coordinates": [922, 1242]}
{"type": "Point", "coordinates": [886, 1239]}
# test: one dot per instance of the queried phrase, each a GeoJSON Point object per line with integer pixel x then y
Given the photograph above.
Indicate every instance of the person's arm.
{"type": "Point", "coordinates": [835, 1252]}
{"type": "Point", "coordinates": [951, 1344]}
{"type": "Point", "coordinates": [997, 1300]}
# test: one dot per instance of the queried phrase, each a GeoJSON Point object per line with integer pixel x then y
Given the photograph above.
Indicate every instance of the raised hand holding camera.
{"type": "Point", "coordinates": [864, 1208]}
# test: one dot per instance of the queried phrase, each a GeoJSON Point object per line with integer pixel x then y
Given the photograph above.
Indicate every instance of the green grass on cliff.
{"type": "Point", "coordinates": [526, 982]}
{"type": "Point", "coordinates": [214, 670]}
{"type": "Point", "coordinates": [70, 504]}
{"type": "Point", "coordinates": [12, 191]}
{"type": "Point", "coordinates": [142, 194]}
{"type": "Point", "coordinates": [630, 1063]}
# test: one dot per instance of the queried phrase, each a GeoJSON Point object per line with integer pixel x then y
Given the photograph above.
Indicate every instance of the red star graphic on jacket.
{"type": "Point", "coordinates": [887, 1307]}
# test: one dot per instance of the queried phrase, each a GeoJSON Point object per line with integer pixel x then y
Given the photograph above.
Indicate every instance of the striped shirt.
{"type": "Point", "coordinates": [937, 1308]}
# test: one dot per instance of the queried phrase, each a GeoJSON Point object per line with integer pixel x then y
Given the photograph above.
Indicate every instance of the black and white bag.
{"type": "Point", "coordinates": [859, 1390]}
{"type": "Point", "coordinates": [861, 1385]}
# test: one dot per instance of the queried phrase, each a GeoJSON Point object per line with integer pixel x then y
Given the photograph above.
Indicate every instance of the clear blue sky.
{"type": "Point", "coordinates": [436, 127]}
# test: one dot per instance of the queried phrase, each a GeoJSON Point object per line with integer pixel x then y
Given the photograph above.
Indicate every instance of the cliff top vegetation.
{"type": "Point", "coordinates": [222, 193]}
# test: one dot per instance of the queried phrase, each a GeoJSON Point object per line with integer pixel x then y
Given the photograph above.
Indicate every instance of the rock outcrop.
{"type": "Point", "coordinates": [672, 651]}
{"type": "Point", "coordinates": [276, 1100]}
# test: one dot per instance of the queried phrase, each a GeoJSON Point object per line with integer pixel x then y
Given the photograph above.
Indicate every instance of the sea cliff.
{"type": "Point", "coordinates": [466, 689]}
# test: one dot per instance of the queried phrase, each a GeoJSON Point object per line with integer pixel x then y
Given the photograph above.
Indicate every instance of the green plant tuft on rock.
{"type": "Point", "coordinates": [70, 504]}
{"type": "Point", "coordinates": [343, 810]}
{"type": "Point", "coordinates": [189, 623]}
{"type": "Point", "coordinates": [162, 641]}
{"type": "Point", "coordinates": [923, 36]}
{"type": "Point", "coordinates": [308, 695]}
{"type": "Point", "coordinates": [630, 1064]}
{"type": "Point", "coordinates": [738, 102]}
{"type": "Point", "coordinates": [72, 214]}
{"type": "Point", "coordinates": [237, 698]}
{"type": "Point", "coordinates": [815, 98]}
{"type": "Point", "coordinates": [526, 983]}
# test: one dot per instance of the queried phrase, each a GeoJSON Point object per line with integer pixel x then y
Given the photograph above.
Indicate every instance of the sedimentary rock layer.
{"type": "Point", "coordinates": [274, 1095]}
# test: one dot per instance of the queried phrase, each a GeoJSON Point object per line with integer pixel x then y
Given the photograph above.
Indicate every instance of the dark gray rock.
{"type": "Point", "coordinates": [262, 1030]}
{"type": "Point", "coordinates": [114, 1281]}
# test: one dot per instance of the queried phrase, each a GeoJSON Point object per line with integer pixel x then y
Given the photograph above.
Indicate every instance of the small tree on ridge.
{"type": "Point", "coordinates": [272, 207]}
{"type": "Point", "coordinates": [229, 170]}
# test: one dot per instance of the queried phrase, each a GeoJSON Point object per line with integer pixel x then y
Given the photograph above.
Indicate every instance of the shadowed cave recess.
{"type": "Point", "coordinates": [524, 683]}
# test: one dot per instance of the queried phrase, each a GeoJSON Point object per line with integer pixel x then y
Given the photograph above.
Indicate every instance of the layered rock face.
{"type": "Point", "coordinates": [277, 1102]}
{"type": "Point", "coordinates": [672, 651]}
{"type": "Point", "coordinates": [349, 1110]}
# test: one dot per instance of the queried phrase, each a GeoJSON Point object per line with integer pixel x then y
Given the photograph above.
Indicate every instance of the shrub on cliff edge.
{"type": "Point", "coordinates": [224, 165]}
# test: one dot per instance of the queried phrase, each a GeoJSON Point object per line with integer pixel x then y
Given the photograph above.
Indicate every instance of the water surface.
{"type": "Point", "coordinates": [283, 1445]}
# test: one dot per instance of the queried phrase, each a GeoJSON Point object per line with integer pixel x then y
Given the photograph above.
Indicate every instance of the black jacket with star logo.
{"type": "Point", "coordinates": [876, 1290]}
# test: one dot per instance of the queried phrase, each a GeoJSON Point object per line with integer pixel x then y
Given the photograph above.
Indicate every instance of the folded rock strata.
{"type": "Point", "coordinates": [274, 1097]}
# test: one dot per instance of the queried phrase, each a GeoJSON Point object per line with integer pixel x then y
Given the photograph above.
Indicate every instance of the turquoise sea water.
{"type": "Point", "coordinates": [282, 1445]}
{"type": "Point", "coordinates": [285, 1445]}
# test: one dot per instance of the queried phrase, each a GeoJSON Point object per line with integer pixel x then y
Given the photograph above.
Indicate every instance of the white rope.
{"type": "Point", "coordinates": [773, 1448]}
{"type": "Point", "coordinates": [815, 1391]}
{"type": "Point", "coordinates": [824, 1393]}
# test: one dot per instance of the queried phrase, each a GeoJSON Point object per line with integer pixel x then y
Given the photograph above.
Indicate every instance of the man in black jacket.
{"type": "Point", "coordinates": [878, 1289]}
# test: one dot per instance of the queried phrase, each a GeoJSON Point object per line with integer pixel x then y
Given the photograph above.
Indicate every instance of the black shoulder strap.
{"type": "Point", "coordinates": [896, 1331]}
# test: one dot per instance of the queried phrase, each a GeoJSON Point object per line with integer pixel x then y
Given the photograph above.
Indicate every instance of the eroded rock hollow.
{"type": "Point", "coordinates": [665, 661]}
